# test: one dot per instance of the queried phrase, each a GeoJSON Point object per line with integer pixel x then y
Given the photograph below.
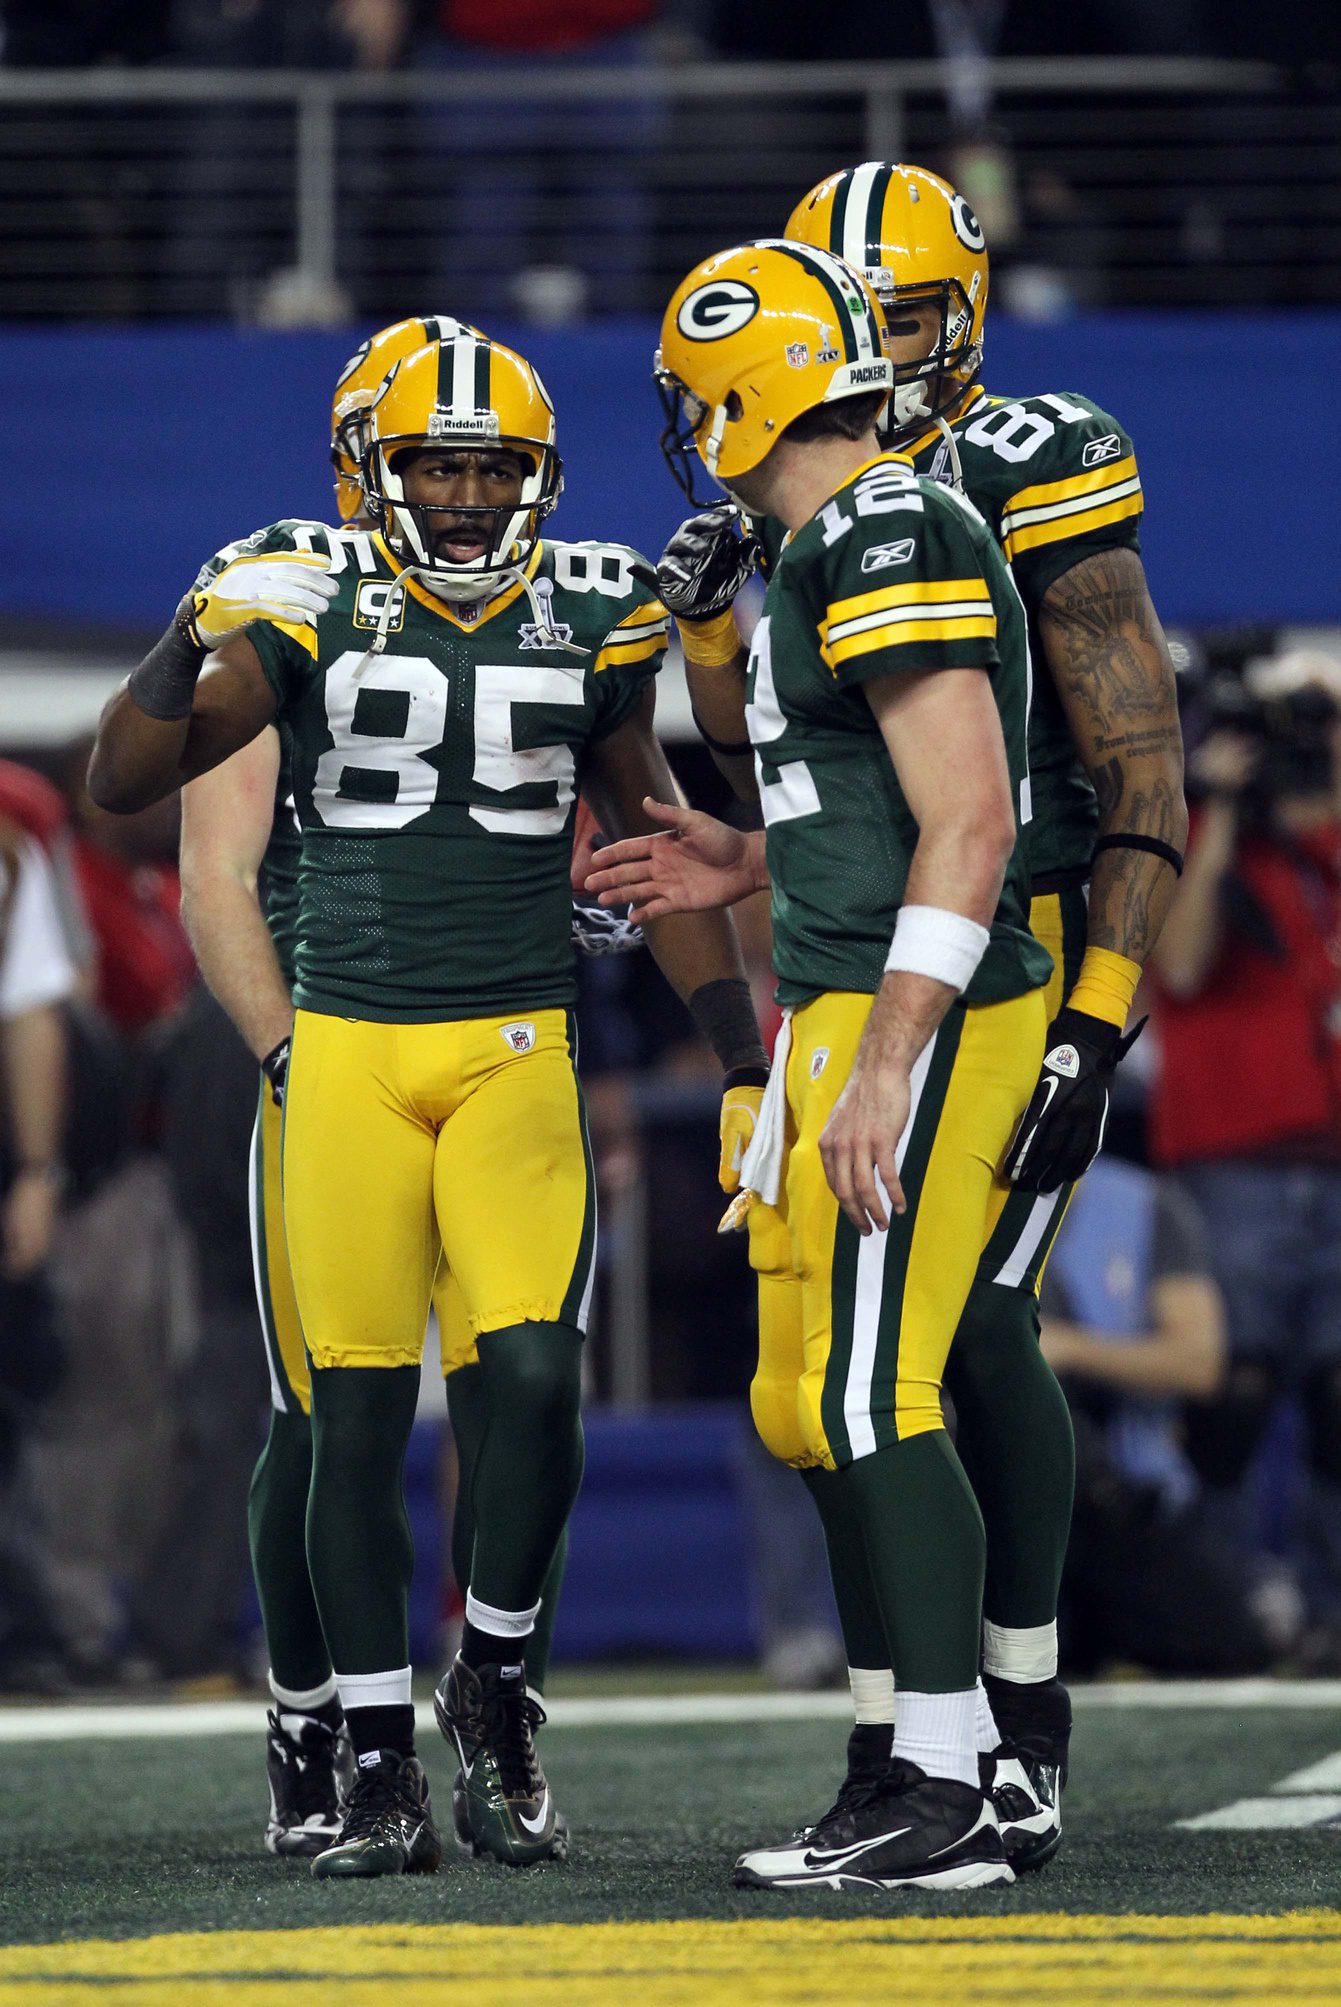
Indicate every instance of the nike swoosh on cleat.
{"type": "Point", "coordinates": [536, 1825]}
{"type": "Point", "coordinates": [840, 1856]}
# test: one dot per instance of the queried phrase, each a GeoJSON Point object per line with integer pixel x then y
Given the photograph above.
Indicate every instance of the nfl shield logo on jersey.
{"type": "Point", "coordinates": [521, 1037]}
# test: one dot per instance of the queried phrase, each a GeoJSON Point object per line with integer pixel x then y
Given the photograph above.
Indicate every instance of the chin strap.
{"type": "Point", "coordinates": [540, 609]}
{"type": "Point", "coordinates": [956, 469]}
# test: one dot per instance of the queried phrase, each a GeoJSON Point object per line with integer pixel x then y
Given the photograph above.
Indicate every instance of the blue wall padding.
{"type": "Point", "coordinates": [658, 1560]}
{"type": "Point", "coordinates": [134, 454]}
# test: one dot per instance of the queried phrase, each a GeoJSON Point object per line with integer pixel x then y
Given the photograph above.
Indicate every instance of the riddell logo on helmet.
{"type": "Point", "coordinates": [473, 425]}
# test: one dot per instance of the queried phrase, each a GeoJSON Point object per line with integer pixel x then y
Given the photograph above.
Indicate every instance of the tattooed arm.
{"type": "Point", "coordinates": [1110, 662]}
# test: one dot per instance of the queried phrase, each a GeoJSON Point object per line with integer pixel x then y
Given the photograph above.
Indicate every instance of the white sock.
{"type": "Point", "coordinates": [302, 1701]}
{"type": "Point", "coordinates": [872, 1693]}
{"type": "Point", "coordinates": [1023, 1656]}
{"type": "Point", "coordinates": [511, 1628]}
{"type": "Point", "coordinates": [937, 1731]}
{"type": "Point", "coordinates": [374, 1689]}
{"type": "Point", "coordinates": [989, 1735]}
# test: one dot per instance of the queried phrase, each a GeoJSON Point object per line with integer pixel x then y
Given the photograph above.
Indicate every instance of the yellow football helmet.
{"type": "Point", "coordinates": [358, 384]}
{"type": "Point", "coordinates": [751, 339]}
{"type": "Point", "coordinates": [918, 243]}
{"type": "Point", "coordinates": [470, 393]}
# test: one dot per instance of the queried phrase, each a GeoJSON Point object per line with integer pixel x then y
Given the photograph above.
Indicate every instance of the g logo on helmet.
{"type": "Point", "coordinates": [966, 225]}
{"type": "Point", "coordinates": [722, 307]}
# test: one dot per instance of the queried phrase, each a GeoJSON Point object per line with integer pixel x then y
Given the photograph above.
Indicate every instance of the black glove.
{"type": "Point", "coordinates": [275, 1067]}
{"type": "Point", "coordinates": [1062, 1129]}
{"type": "Point", "coordinates": [705, 564]}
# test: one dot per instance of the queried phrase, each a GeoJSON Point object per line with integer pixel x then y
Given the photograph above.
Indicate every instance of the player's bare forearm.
{"type": "Point", "coordinates": [138, 759]}
{"type": "Point", "coordinates": [237, 956]}
{"type": "Point", "coordinates": [227, 822]}
{"type": "Point", "coordinates": [691, 949]}
{"type": "Point", "coordinates": [718, 699]}
{"type": "Point", "coordinates": [1111, 665]}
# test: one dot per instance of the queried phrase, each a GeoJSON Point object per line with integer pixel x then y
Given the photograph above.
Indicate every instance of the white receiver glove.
{"type": "Point", "coordinates": [293, 588]}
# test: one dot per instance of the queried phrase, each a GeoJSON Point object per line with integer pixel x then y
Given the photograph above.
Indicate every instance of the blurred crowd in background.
{"type": "Point", "coordinates": [556, 205]}
{"type": "Point", "coordinates": [1192, 1308]}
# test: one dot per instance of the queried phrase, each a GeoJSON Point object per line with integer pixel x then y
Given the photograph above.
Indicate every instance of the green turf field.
{"type": "Point", "coordinates": [136, 1838]}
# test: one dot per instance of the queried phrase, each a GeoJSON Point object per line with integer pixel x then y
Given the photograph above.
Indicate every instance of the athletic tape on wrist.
{"type": "Point", "coordinates": [933, 941]}
{"type": "Point", "coordinates": [712, 643]}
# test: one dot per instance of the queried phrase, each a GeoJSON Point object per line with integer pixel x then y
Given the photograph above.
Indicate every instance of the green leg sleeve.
{"type": "Point", "coordinates": [1015, 1440]}
{"type": "Point", "coordinates": [528, 1468]}
{"type": "Point", "coordinates": [467, 1407]}
{"type": "Point", "coordinates": [468, 1412]}
{"type": "Point", "coordinates": [854, 1591]}
{"type": "Point", "coordinates": [924, 1541]}
{"type": "Point", "coordinates": [276, 1521]}
{"type": "Point", "coordinates": [359, 1548]}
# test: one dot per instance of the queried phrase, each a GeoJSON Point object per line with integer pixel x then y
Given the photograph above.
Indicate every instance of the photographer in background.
{"type": "Point", "coordinates": [1247, 1105]}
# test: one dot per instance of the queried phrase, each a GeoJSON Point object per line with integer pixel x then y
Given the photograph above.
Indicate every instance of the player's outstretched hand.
{"type": "Point", "coordinates": [691, 865]}
{"type": "Point", "coordinates": [294, 587]}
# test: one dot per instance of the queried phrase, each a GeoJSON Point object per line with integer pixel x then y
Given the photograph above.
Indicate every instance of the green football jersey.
{"type": "Point", "coordinates": [894, 573]}
{"type": "Point", "coordinates": [1055, 477]}
{"type": "Point", "coordinates": [434, 782]}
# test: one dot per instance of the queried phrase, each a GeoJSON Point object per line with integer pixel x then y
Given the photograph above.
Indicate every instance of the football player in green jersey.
{"type": "Point", "coordinates": [444, 691]}
{"type": "Point", "coordinates": [887, 707]}
{"type": "Point", "coordinates": [1056, 480]}
{"type": "Point", "coordinates": [240, 848]}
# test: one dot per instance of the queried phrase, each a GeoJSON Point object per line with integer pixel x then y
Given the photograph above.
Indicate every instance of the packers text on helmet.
{"type": "Point", "coordinates": [753, 338]}
{"type": "Point", "coordinates": [918, 243]}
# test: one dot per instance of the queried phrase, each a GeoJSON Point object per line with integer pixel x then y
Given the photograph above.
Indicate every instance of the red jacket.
{"type": "Point", "coordinates": [550, 26]}
{"type": "Point", "coordinates": [1251, 1065]}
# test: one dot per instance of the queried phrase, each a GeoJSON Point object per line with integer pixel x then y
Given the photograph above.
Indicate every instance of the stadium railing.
{"type": "Point", "coordinates": [296, 198]}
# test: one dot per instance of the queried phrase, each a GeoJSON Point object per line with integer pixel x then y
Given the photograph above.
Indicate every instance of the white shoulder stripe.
{"type": "Point", "coordinates": [898, 616]}
{"type": "Point", "coordinates": [1077, 505]}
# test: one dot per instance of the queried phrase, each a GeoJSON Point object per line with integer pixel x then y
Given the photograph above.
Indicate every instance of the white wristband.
{"type": "Point", "coordinates": [932, 941]}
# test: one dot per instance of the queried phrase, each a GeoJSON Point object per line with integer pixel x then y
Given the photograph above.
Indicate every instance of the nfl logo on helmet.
{"type": "Point", "coordinates": [798, 354]}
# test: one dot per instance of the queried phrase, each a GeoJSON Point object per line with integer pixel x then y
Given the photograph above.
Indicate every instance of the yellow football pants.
{"type": "Point", "coordinates": [281, 1328]}
{"type": "Point", "coordinates": [854, 1331]}
{"type": "Point", "coordinates": [404, 1143]}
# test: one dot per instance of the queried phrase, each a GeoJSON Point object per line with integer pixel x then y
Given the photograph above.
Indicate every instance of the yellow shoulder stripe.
{"type": "Point", "coordinates": [620, 654]}
{"type": "Point", "coordinates": [651, 609]}
{"type": "Point", "coordinates": [926, 592]}
{"type": "Point", "coordinates": [1047, 492]}
{"type": "Point", "coordinates": [1058, 529]}
{"type": "Point", "coordinates": [305, 636]}
{"type": "Point", "coordinates": [866, 640]}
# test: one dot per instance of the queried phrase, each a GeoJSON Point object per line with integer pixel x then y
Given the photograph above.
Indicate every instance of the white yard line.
{"type": "Point", "coordinates": [114, 1721]}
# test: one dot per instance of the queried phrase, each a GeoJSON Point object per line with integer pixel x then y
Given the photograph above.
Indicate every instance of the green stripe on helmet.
{"type": "Point", "coordinates": [806, 258]}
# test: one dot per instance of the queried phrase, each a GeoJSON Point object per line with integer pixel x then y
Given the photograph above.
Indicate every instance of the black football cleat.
{"type": "Point", "coordinates": [905, 1830]}
{"type": "Point", "coordinates": [501, 1800]}
{"type": "Point", "coordinates": [1026, 1775]}
{"type": "Point", "coordinates": [309, 1767]}
{"type": "Point", "coordinates": [388, 1825]}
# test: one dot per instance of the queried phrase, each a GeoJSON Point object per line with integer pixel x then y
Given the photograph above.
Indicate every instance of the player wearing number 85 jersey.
{"type": "Point", "coordinates": [443, 692]}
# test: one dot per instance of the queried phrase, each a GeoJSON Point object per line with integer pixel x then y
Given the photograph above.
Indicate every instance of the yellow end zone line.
{"type": "Point", "coordinates": [1078, 1960]}
{"type": "Point", "coordinates": [118, 1721]}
